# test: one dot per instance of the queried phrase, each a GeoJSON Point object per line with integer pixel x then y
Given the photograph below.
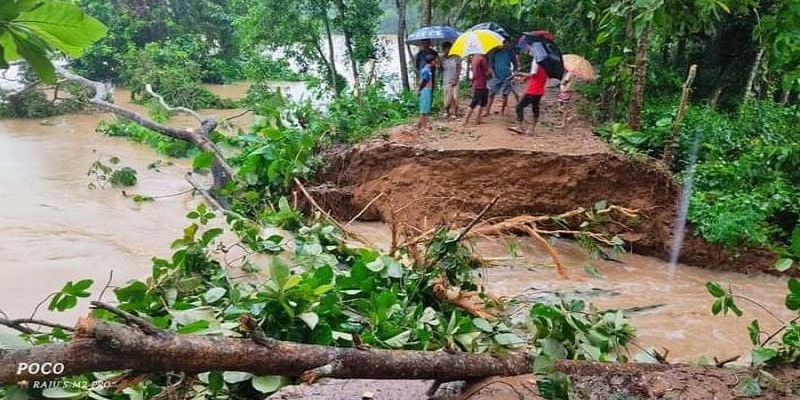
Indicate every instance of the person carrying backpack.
{"type": "Point", "coordinates": [537, 79]}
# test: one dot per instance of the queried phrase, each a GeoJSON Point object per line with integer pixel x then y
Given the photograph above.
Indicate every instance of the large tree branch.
{"type": "Point", "coordinates": [200, 138]}
{"type": "Point", "coordinates": [103, 346]}
{"type": "Point", "coordinates": [106, 346]}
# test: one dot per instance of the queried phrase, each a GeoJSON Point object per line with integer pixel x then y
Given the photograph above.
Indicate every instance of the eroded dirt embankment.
{"type": "Point", "coordinates": [426, 186]}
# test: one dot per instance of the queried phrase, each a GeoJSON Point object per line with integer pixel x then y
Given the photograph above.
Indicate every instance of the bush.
{"type": "Point", "coordinates": [747, 182]}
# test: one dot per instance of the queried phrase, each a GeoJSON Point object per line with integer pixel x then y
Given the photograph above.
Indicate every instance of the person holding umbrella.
{"type": "Point", "coordinates": [425, 37]}
{"type": "Point", "coordinates": [575, 67]}
{"type": "Point", "coordinates": [477, 43]}
{"type": "Point", "coordinates": [423, 53]}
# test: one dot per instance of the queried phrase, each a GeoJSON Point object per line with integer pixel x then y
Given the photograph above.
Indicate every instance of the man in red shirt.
{"type": "Point", "coordinates": [480, 90]}
{"type": "Point", "coordinates": [537, 80]}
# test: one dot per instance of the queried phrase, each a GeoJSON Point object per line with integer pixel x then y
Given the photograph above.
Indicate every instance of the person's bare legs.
{"type": "Point", "coordinates": [469, 115]}
{"type": "Point", "coordinates": [489, 105]}
{"type": "Point", "coordinates": [478, 118]}
{"type": "Point", "coordinates": [505, 103]}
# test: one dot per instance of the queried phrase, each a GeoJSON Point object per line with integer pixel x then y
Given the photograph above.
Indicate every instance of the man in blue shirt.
{"type": "Point", "coordinates": [425, 90]}
{"type": "Point", "coordinates": [503, 63]}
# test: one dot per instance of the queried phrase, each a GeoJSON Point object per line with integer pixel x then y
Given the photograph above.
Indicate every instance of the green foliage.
{"type": "Point", "coordinates": [202, 28]}
{"type": "Point", "coordinates": [746, 178]}
{"type": "Point", "coordinates": [33, 29]}
{"type": "Point", "coordinates": [172, 68]}
{"type": "Point", "coordinates": [164, 145]}
{"type": "Point", "coordinates": [67, 297]}
{"type": "Point", "coordinates": [569, 331]}
{"type": "Point", "coordinates": [104, 174]}
{"type": "Point", "coordinates": [766, 349]}
{"type": "Point", "coordinates": [354, 120]}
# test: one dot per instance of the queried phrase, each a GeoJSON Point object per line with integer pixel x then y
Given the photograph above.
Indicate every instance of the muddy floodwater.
{"type": "Point", "coordinates": [54, 229]}
{"type": "Point", "coordinates": [673, 315]}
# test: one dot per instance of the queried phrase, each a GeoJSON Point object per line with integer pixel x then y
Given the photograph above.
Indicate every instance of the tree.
{"type": "Point", "coordinates": [401, 42]}
{"type": "Point", "coordinates": [426, 13]}
{"type": "Point", "coordinates": [34, 29]}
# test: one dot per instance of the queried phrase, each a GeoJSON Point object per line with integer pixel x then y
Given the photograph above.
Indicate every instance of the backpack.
{"type": "Point", "coordinates": [546, 53]}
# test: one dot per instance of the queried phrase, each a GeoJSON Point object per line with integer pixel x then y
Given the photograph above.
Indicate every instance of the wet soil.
{"type": "Point", "coordinates": [449, 174]}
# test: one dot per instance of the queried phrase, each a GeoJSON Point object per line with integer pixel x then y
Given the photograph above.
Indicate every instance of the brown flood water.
{"type": "Point", "coordinates": [682, 322]}
{"type": "Point", "coordinates": [54, 229]}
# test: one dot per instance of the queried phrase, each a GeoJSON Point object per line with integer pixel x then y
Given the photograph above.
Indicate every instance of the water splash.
{"type": "Point", "coordinates": [679, 229]}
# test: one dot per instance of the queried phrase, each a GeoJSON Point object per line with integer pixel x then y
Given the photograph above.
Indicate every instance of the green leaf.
{"type": "Point", "coordinates": [214, 294]}
{"type": "Point", "coordinates": [400, 340]}
{"type": "Point", "coordinates": [193, 327]}
{"type": "Point", "coordinates": [729, 303]}
{"type": "Point", "coordinates": [553, 348]}
{"type": "Point", "coordinates": [291, 282]}
{"type": "Point", "coordinates": [754, 330]}
{"type": "Point", "coordinates": [35, 55]}
{"type": "Point", "coordinates": [716, 307]}
{"type": "Point", "coordinates": [796, 241]}
{"type": "Point", "coordinates": [715, 289]}
{"type": "Point", "coordinates": [483, 325]}
{"type": "Point", "coordinates": [203, 160]}
{"type": "Point", "coordinates": [794, 286]}
{"type": "Point", "coordinates": [793, 301]}
{"type": "Point", "coordinates": [508, 339]}
{"type": "Point", "coordinates": [236, 376]}
{"type": "Point", "coordinates": [554, 386]}
{"type": "Point", "coordinates": [268, 383]}
{"type": "Point", "coordinates": [748, 387]}
{"type": "Point", "coordinates": [784, 264]}
{"type": "Point", "coordinates": [62, 25]}
{"type": "Point", "coordinates": [210, 235]}
{"type": "Point", "coordinates": [311, 319]}
{"type": "Point", "coordinates": [762, 355]}
{"type": "Point", "coordinates": [79, 288]}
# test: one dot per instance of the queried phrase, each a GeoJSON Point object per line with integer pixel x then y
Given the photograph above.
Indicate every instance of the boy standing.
{"type": "Point", "coordinates": [533, 97]}
{"type": "Point", "coordinates": [451, 72]}
{"type": "Point", "coordinates": [480, 90]}
{"type": "Point", "coordinates": [425, 90]}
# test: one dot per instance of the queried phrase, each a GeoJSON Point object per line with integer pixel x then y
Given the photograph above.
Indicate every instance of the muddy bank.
{"type": "Point", "coordinates": [427, 186]}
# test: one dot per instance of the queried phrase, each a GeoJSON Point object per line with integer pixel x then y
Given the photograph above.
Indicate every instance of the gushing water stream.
{"type": "Point", "coordinates": [679, 231]}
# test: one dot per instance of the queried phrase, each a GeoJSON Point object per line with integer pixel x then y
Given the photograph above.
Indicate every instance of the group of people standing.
{"type": "Point", "coordinates": [491, 75]}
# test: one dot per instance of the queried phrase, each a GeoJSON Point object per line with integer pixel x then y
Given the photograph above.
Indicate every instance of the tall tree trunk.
{"type": "Point", "coordinates": [401, 43]}
{"type": "Point", "coordinates": [749, 89]}
{"type": "Point", "coordinates": [426, 13]}
{"type": "Point", "coordinates": [331, 53]}
{"type": "Point", "coordinates": [348, 41]}
{"type": "Point", "coordinates": [673, 144]}
{"type": "Point", "coordinates": [639, 81]}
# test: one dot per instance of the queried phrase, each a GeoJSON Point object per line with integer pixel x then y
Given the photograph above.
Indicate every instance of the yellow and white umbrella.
{"type": "Point", "coordinates": [479, 41]}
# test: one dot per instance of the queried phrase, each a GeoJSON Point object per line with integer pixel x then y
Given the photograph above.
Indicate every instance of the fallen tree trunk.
{"type": "Point", "coordinates": [105, 346]}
